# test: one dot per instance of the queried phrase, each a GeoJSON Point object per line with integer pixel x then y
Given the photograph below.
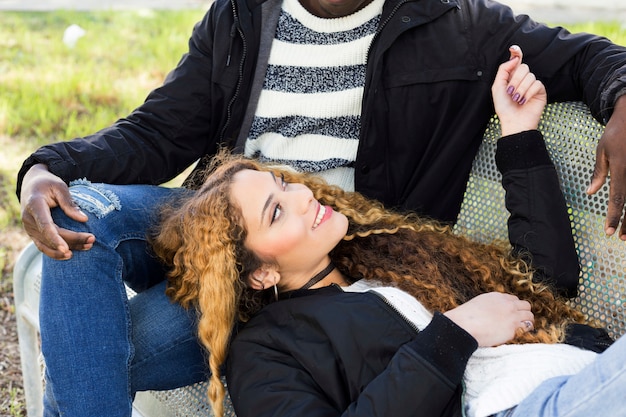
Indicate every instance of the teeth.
{"type": "Point", "coordinates": [320, 216]}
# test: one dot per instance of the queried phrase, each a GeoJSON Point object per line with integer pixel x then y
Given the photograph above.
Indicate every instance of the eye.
{"type": "Point", "coordinates": [276, 214]}
{"type": "Point", "coordinates": [278, 210]}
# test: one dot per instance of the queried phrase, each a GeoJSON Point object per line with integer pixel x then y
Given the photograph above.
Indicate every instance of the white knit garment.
{"type": "Point", "coordinates": [309, 110]}
{"type": "Point", "coordinates": [496, 378]}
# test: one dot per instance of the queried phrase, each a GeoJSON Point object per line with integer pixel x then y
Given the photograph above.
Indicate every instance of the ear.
{"type": "Point", "coordinates": [264, 277]}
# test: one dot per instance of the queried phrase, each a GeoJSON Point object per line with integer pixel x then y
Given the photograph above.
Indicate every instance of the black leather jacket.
{"type": "Point", "coordinates": [426, 103]}
{"type": "Point", "coordinates": [329, 353]}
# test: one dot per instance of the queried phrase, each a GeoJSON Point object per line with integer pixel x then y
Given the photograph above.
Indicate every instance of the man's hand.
{"type": "Point", "coordinates": [41, 191]}
{"type": "Point", "coordinates": [611, 156]}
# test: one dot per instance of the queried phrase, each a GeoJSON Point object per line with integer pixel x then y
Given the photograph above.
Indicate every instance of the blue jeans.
{"type": "Point", "coordinates": [598, 390]}
{"type": "Point", "coordinates": [99, 347]}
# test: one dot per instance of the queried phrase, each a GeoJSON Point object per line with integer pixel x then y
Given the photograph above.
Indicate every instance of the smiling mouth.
{"type": "Point", "coordinates": [319, 217]}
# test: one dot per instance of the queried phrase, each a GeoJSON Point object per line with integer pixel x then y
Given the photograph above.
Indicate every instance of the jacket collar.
{"type": "Point", "coordinates": [330, 289]}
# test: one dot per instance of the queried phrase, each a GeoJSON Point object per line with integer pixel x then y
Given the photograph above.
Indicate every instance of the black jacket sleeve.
{"type": "Point", "coordinates": [539, 224]}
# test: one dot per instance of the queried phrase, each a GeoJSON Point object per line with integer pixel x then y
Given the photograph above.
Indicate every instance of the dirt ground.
{"type": "Point", "coordinates": [12, 241]}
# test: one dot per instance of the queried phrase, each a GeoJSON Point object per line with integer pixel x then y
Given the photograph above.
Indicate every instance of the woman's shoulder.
{"type": "Point", "coordinates": [329, 310]}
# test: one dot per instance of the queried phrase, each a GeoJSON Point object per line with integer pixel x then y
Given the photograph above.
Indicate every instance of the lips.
{"type": "Point", "coordinates": [323, 214]}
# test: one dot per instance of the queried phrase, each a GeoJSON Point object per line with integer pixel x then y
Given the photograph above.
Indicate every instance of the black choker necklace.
{"type": "Point", "coordinates": [319, 276]}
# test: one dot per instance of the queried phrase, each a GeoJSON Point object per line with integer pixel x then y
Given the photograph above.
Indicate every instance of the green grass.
{"type": "Point", "coordinates": [51, 92]}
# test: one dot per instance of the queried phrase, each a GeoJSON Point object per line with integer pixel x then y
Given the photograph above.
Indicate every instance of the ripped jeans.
{"type": "Point", "coordinates": [99, 347]}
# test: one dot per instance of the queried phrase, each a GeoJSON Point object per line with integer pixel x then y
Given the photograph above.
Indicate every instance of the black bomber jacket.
{"type": "Point", "coordinates": [426, 103]}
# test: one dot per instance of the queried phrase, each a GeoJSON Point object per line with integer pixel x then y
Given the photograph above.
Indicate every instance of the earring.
{"type": "Point", "coordinates": [275, 290]}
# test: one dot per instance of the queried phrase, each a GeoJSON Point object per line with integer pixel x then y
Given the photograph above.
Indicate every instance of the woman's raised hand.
{"type": "Point", "coordinates": [518, 97]}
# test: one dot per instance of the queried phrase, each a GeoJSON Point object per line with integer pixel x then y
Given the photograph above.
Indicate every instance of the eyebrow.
{"type": "Point", "coordinates": [268, 201]}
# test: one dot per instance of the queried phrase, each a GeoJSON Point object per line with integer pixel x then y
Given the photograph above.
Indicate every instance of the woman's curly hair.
{"type": "Point", "coordinates": [201, 239]}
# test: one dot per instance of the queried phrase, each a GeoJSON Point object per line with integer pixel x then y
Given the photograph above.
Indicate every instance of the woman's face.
{"type": "Point", "coordinates": [286, 226]}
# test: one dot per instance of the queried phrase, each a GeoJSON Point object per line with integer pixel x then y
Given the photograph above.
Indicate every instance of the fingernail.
{"type": "Point", "coordinates": [510, 90]}
{"type": "Point", "coordinates": [522, 101]}
{"type": "Point", "coordinates": [516, 97]}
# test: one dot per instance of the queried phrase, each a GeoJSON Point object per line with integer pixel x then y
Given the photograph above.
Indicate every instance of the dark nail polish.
{"type": "Point", "coordinates": [510, 90]}
{"type": "Point", "coordinates": [516, 97]}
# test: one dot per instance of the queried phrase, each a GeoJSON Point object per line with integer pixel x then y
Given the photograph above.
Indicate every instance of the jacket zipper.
{"type": "Point", "coordinates": [235, 28]}
{"type": "Point", "coordinates": [414, 327]}
{"type": "Point", "coordinates": [395, 310]}
{"type": "Point", "coordinates": [382, 25]}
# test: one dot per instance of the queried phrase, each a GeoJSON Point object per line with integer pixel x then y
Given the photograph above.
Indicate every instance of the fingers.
{"type": "Point", "coordinates": [611, 158]}
{"type": "Point", "coordinates": [39, 225]}
{"type": "Point", "coordinates": [616, 206]}
{"type": "Point", "coordinates": [516, 78]}
{"type": "Point", "coordinates": [55, 242]}
{"type": "Point", "coordinates": [527, 318]}
{"type": "Point", "coordinates": [617, 188]}
{"type": "Point", "coordinates": [65, 201]}
{"type": "Point", "coordinates": [516, 52]}
{"type": "Point", "coordinates": [522, 84]}
{"type": "Point", "coordinates": [600, 174]}
{"type": "Point", "coordinates": [505, 69]}
{"type": "Point", "coordinates": [42, 191]}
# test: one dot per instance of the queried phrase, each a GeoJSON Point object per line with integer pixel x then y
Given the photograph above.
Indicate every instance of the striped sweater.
{"type": "Point", "coordinates": [309, 110]}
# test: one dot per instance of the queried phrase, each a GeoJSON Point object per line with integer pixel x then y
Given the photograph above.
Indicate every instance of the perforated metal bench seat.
{"type": "Point", "coordinates": [571, 136]}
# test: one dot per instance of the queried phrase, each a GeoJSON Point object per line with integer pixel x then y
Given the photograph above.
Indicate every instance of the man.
{"type": "Point", "coordinates": [392, 100]}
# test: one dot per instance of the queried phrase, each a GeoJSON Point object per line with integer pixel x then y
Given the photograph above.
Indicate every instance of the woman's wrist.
{"type": "Point", "coordinates": [512, 127]}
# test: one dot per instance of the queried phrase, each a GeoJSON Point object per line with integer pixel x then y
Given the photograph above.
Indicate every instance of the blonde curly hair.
{"type": "Point", "coordinates": [201, 240]}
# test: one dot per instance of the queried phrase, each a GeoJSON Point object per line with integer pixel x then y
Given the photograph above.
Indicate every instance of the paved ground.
{"type": "Point", "coordinates": [564, 11]}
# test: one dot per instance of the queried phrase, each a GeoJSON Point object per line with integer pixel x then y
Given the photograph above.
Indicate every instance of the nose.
{"type": "Point", "coordinates": [303, 197]}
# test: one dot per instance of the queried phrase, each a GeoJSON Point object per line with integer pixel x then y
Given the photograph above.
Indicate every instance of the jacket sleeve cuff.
{"type": "Point", "coordinates": [445, 345]}
{"type": "Point", "coordinates": [521, 151]}
{"type": "Point", "coordinates": [28, 164]}
{"type": "Point", "coordinates": [55, 164]}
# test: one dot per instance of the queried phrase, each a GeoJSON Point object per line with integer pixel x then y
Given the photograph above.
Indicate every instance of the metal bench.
{"type": "Point", "coordinates": [571, 135]}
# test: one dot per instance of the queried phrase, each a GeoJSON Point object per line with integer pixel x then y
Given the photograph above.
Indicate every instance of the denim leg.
{"type": "Point", "coordinates": [598, 390]}
{"type": "Point", "coordinates": [168, 354]}
{"type": "Point", "coordinates": [88, 334]}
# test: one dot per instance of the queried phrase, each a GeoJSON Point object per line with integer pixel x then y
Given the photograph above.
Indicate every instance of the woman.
{"type": "Point", "coordinates": [380, 313]}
